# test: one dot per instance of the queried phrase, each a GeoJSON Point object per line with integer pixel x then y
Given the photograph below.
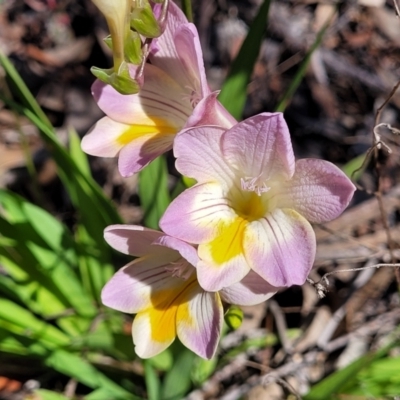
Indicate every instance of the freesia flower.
{"type": "Point", "coordinates": [175, 95]}
{"type": "Point", "coordinates": [161, 288]}
{"type": "Point", "coordinates": [252, 205]}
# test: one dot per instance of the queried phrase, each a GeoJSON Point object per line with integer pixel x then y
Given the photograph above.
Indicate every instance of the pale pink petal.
{"type": "Point", "coordinates": [132, 239]}
{"type": "Point", "coordinates": [198, 155]}
{"type": "Point", "coordinates": [251, 290]}
{"type": "Point", "coordinates": [161, 102]}
{"type": "Point", "coordinates": [136, 286]}
{"type": "Point", "coordinates": [199, 321]}
{"type": "Point", "coordinates": [280, 247]}
{"type": "Point", "coordinates": [213, 277]}
{"type": "Point", "coordinates": [178, 52]}
{"type": "Point", "coordinates": [191, 57]}
{"type": "Point", "coordinates": [319, 191]}
{"type": "Point", "coordinates": [209, 111]}
{"type": "Point", "coordinates": [163, 47]}
{"type": "Point", "coordinates": [186, 250]}
{"type": "Point", "coordinates": [195, 215]}
{"type": "Point", "coordinates": [260, 148]}
{"type": "Point", "coordinates": [102, 139]}
{"type": "Point", "coordinates": [141, 150]}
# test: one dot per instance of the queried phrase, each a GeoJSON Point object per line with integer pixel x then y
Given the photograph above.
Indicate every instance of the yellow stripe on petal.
{"type": "Point", "coordinates": [229, 243]}
{"type": "Point", "coordinates": [162, 322]}
{"type": "Point", "coordinates": [162, 314]}
{"type": "Point", "coordinates": [156, 126]}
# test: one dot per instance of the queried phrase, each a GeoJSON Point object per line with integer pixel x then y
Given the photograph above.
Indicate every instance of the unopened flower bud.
{"type": "Point", "coordinates": [144, 21]}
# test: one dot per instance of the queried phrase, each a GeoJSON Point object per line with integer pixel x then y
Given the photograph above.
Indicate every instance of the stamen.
{"type": "Point", "coordinates": [180, 269]}
{"type": "Point", "coordinates": [254, 185]}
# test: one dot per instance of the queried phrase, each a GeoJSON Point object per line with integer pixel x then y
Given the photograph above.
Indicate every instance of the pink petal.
{"type": "Point", "coordinates": [133, 288]}
{"type": "Point", "coordinates": [142, 150]}
{"type": "Point", "coordinates": [132, 239]}
{"type": "Point", "coordinates": [199, 155]}
{"type": "Point", "coordinates": [281, 247]}
{"type": "Point", "coordinates": [318, 190]}
{"type": "Point", "coordinates": [209, 111]}
{"type": "Point", "coordinates": [187, 251]}
{"type": "Point", "coordinates": [164, 46]}
{"type": "Point", "coordinates": [260, 147]}
{"type": "Point", "coordinates": [251, 290]}
{"type": "Point", "coordinates": [190, 55]}
{"type": "Point", "coordinates": [160, 102]}
{"type": "Point", "coordinates": [199, 321]}
{"type": "Point", "coordinates": [213, 277]}
{"type": "Point", "coordinates": [102, 139]}
{"type": "Point", "coordinates": [194, 216]}
{"type": "Point", "coordinates": [178, 52]}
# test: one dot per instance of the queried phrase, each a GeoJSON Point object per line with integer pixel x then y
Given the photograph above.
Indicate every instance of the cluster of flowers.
{"type": "Point", "coordinates": [240, 233]}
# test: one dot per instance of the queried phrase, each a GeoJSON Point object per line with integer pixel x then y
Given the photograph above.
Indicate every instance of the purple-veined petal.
{"type": "Point", "coordinates": [154, 329]}
{"type": "Point", "coordinates": [251, 290]}
{"type": "Point", "coordinates": [142, 283]}
{"type": "Point", "coordinates": [132, 239]}
{"type": "Point", "coordinates": [161, 102]}
{"type": "Point", "coordinates": [186, 250]}
{"type": "Point", "coordinates": [222, 260]}
{"type": "Point", "coordinates": [178, 52]}
{"type": "Point", "coordinates": [319, 190]}
{"type": "Point", "coordinates": [280, 247]}
{"type": "Point", "coordinates": [209, 111]}
{"type": "Point", "coordinates": [163, 47]}
{"type": "Point", "coordinates": [198, 155]}
{"type": "Point", "coordinates": [194, 216]}
{"type": "Point", "coordinates": [260, 148]}
{"type": "Point", "coordinates": [190, 55]}
{"type": "Point", "coordinates": [199, 321]}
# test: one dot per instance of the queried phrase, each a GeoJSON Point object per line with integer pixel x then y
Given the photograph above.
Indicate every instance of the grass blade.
{"type": "Point", "coordinates": [294, 84]}
{"type": "Point", "coordinates": [234, 91]}
{"type": "Point", "coordinates": [153, 191]}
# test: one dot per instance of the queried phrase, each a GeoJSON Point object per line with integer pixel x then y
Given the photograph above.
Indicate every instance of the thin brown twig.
{"type": "Point", "coordinates": [378, 167]}
{"type": "Point", "coordinates": [397, 8]}
{"type": "Point", "coordinates": [322, 285]}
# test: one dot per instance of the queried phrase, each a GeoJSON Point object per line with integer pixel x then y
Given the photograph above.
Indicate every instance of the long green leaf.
{"type": "Point", "coordinates": [44, 394]}
{"type": "Point", "coordinates": [152, 381]}
{"type": "Point", "coordinates": [180, 372]}
{"type": "Point", "coordinates": [153, 191]}
{"type": "Point", "coordinates": [96, 211]}
{"type": "Point", "coordinates": [20, 321]}
{"type": "Point", "coordinates": [20, 344]}
{"type": "Point", "coordinates": [50, 244]}
{"type": "Point", "coordinates": [76, 367]}
{"type": "Point", "coordinates": [234, 91]}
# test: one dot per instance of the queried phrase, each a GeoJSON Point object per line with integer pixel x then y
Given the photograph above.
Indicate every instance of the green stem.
{"type": "Point", "coordinates": [187, 9]}
{"type": "Point", "coordinates": [294, 84]}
